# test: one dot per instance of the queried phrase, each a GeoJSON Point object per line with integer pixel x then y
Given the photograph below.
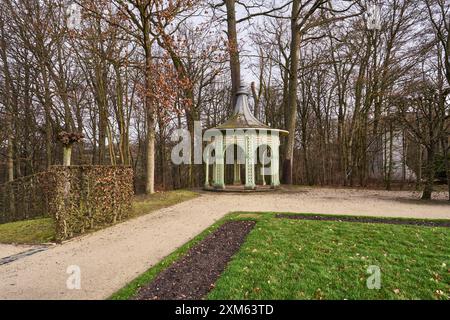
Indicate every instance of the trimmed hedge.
{"type": "Point", "coordinates": [79, 198]}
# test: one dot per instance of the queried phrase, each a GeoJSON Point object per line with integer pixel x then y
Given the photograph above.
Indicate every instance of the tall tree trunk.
{"type": "Point", "coordinates": [48, 120]}
{"type": "Point", "coordinates": [162, 149]}
{"type": "Point", "coordinates": [341, 144]}
{"type": "Point", "coordinates": [445, 148]}
{"type": "Point", "coordinates": [150, 113]}
{"type": "Point", "coordinates": [292, 93]}
{"type": "Point", "coordinates": [7, 102]}
{"type": "Point", "coordinates": [30, 124]}
{"type": "Point", "coordinates": [10, 153]}
{"type": "Point", "coordinates": [285, 110]}
{"type": "Point", "coordinates": [419, 167]}
{"type": "Point", "coordinates": [121, 119]}
{"type": "Point", "coordinates": [150, 159]}
{"type": "Point", "coordinates": [430, 172]}
{"type": "Point", "coordinates": [102, 113]}
{"type": "Point", "coordinates": [235, 65]}
{"type": "Point", "coordinates": [80, 144]}
{"type": "Point", "coordinates": [390, 164]}
{"type": "Point", "coordinates": [404, 155]}
{"type": "Point", "coordinates": [191, 118]}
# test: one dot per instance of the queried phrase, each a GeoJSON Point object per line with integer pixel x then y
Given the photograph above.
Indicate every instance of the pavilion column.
{"type": "Point", "coordinates": [237, 173]}
{"type": "Point", "coordinates": [249, 163]}
{"type": "Point", "coordinates": [219, 181]}
{"type": "Point", "coordinates": [207, 172]}
{"type": "Point", "coordinates": [262, 173]}
{"type": "Point", "coordinates": [275, 163]}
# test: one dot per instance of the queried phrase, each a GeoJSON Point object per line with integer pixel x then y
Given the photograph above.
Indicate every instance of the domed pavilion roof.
{"type": "Point", "coordinates": [242, 117]}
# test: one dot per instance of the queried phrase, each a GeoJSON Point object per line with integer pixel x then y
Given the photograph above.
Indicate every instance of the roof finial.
{"type": "Point", "coordinates": [242, 88]}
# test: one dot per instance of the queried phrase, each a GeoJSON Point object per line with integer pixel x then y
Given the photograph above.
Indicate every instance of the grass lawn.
{"type": "Point", "coordinates": [301, 259]}
{"type": "Point", "coordinates": [29, 231]}
{"type": "Point", "coordinates": [144, 204]}
{"type": "Point", "coordinates": [42, 230]}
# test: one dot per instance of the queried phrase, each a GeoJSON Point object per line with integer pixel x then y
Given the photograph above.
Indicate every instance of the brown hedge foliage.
{"type": "Point", "coordinates": [88, 197]}
{"type": "Point", "coordinates": [79, 198]}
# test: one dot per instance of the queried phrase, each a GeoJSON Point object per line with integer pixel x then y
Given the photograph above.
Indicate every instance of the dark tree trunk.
{"type": "Point", "coordinates": [292, 94]}
{"type": "Point", "coordinates": [430, 173]}
{"type": "Point", "coordinates": [233, 49]}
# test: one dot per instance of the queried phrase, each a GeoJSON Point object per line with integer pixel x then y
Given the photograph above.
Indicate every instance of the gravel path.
{"type": "Point", "coordinates": [110, 258]}
{"type": "Point", "coordinates": [8, 250]}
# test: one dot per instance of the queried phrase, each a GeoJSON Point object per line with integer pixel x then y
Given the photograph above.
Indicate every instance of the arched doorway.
{"type": "Point", "coordinates": [263, 165]}
{"type": "Point", "coordinates": [234, 156]}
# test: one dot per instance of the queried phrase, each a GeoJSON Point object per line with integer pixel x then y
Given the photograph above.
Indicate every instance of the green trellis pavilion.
{"type": "Point", "coordinates": [245, 156]}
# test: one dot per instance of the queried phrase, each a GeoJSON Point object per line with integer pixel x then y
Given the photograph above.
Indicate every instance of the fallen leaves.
{"type": "Point", "coordinates": [319, 295]}
{"type": "Point", "coordinates": [439, 293]}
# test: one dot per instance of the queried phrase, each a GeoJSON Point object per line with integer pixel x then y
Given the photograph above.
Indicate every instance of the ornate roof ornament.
{"type": "Point", "coordinates": [242, 117]}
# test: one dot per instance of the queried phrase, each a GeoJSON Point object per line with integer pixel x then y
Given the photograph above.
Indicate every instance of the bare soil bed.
{"type": "Point", "coordinates": [413, 222]}
{"type": "Point", "coordinates": [194, 275]}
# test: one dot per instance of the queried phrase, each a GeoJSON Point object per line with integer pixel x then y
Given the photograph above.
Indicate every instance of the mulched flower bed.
{"type": "Point", "coordinates": [194, 275]}
{"type": "Point", "coordinates": [413, 222]}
